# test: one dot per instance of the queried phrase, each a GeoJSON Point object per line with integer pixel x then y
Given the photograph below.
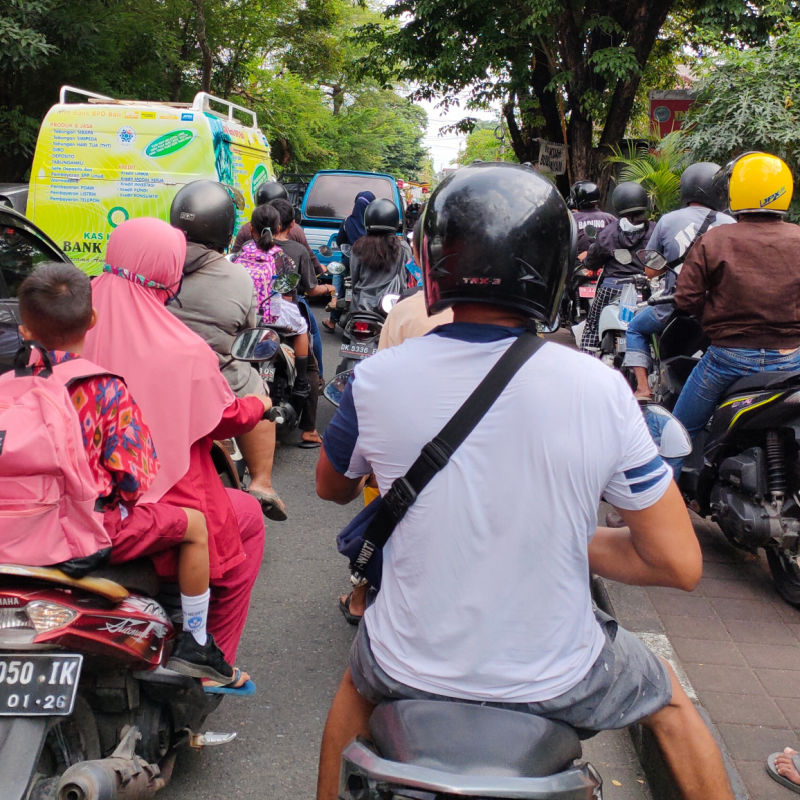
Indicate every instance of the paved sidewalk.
{"type": "Point", "coordinates": [738, 645]}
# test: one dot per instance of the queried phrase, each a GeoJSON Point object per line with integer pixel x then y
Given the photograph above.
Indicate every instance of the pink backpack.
{"type": "Point", "coordinates": [47, 490]}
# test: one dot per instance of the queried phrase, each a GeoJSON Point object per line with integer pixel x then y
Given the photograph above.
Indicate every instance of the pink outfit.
{"type": "Point", "coordinates": [174, 377]}
{"type": "Point", "coordinates": [170, 371]}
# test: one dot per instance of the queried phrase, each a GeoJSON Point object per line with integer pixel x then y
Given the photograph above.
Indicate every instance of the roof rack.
{"type": "Point", "coordinates": [202, 102]}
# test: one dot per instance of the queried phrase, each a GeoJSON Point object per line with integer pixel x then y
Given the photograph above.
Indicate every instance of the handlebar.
{"type": "Point", "coordinates": [661, 301]}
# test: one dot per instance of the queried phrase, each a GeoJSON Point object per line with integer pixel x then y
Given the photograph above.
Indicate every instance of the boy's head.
{"type": "Point", "coordinates": [286, 212]}
{"type": "Point", "coordinates": [55, 304]}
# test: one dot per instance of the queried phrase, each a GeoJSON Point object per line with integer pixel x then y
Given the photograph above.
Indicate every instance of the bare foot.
{"type": "Point", "coordinates": [785, 766]}
{"type": "Point", "coordinates": [643, 394]}
{"type": "Point", "coordinates": [311, 436]}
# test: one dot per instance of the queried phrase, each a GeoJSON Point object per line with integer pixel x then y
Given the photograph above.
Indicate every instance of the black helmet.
{"type": "Point", "coordinates": [497, 233]}
{"type": "Point", "coordinates": [698, 186]}
{"type": "Point", "coordinates": [630, 198]}
{"type": "Point", "coordinates": [584, 194]}
{"type": "Point", "coordinates": [270, 190]}
{"type": "Point", "coordinates": [204, 211]}
{"type": "Point", "coordinates": [381, 216]}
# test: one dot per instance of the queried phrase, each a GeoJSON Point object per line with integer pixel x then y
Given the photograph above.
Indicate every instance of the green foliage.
{"type": "Point", "coordinates": [483, 145]}
{"type": "Point", "coordinates": [749, 100]}
{"type": "Point", "coordinates": [657, 167]}
{"type": "Point", "coordinates": [296, 62]}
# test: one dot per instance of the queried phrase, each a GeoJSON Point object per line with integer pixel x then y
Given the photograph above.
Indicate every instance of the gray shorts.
{"type": "Point", "coordinates": [626, 683]}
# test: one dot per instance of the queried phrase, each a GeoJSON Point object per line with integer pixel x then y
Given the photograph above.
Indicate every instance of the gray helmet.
{"type": "Point", "coordinates": [698, 186]}
{"type": "Point", "coordinates": [497, 233]}
{"type": "Point", "coordinates": [630, 198]}
{"type": "Point", "coordinates": [204, 211]}
{"type": "Point", "coordinates": [270, 190]}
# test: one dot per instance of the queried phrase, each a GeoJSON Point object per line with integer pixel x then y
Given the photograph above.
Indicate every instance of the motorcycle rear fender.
{"type": "Point", "coordinates": [610, 321]}
{"type": "Point", "coordinates": [21, 742]}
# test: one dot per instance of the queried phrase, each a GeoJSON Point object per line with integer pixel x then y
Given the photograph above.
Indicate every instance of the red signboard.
{"type": "Point", "coordinates": [668, 109]}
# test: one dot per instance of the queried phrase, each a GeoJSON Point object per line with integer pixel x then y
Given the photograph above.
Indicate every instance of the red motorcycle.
{"type": "Point", "coordinates": [87, 709]}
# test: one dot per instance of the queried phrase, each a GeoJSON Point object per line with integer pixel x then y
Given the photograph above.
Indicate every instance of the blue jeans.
{"type": "Point", "coordinates": [313, 329]}
{"type": "Point", "coordinates": [716, 371]}
{"type": "Point", "coordinates": [637, 337]}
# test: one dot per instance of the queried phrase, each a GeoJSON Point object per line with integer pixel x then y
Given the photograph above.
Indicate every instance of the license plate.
{"type": "Point", "coordinates": [363, 350]}
{"type": "Point", "coordinates": [586, 291]}
{"type": "Point", "coordinates": [348, 295]}
{"type": "Point", "coordinates": [33, 685]}
{"type": "Point", "coordinates": [622, 345]}
{"type": "Point", "coordinates": [268, 373]}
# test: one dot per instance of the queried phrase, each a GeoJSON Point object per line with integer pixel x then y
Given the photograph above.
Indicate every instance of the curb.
{"type": "Point", "coordinates": [633, 609]}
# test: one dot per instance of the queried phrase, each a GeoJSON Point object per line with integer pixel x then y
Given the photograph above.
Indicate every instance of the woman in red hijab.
{"type": "Point", "coordinates": [175, 378]}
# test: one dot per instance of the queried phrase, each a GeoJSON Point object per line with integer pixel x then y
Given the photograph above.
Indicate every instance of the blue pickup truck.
{"type": "Point", "coordinates": [329, 199]}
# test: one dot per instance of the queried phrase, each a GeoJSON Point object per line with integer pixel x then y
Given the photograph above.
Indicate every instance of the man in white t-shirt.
{"type": "Point", "coordinates": [485, 589]}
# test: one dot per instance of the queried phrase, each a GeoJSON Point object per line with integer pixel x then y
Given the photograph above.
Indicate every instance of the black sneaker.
{"type": "Point", "coordinates": [199, 661]}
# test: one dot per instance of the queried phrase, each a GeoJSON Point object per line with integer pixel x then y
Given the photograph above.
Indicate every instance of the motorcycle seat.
{"type": "Point", "coordinates": [470, 739]}
{"type": "Point", "coordinates": [108, 589]}
{"type": "Point", "coordinates": [763, 381]}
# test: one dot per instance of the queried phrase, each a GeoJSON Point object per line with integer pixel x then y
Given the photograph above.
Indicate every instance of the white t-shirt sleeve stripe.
{"type": "Point", "coordinates": [641, 476]}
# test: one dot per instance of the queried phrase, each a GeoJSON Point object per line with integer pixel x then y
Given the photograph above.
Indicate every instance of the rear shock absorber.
{"type": "Point", "coordinates": [776, 472]}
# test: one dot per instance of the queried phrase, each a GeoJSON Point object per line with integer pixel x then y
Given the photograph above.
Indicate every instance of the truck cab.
{"type": "Point", "coordinates": [329, 199]}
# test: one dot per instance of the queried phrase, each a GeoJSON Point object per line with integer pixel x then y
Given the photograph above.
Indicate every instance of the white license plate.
{"type": "Point", "coordinates": [33, 685]}
{"type": "Point", "coordinates": [362, 350]}
{"type": "Point", "coordinates": [587, 291]}
{"type": "Point", "coordinates": [348, 295]}
{"type": "Point", "coordinates": [621, 344]}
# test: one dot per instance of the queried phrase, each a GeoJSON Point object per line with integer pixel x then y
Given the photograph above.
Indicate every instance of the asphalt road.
{"type": "Point", "coordinates": [295, 646]}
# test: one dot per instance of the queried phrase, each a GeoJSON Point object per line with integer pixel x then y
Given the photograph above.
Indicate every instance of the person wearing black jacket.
{"type": "Point", "coordinates": [615, 253]}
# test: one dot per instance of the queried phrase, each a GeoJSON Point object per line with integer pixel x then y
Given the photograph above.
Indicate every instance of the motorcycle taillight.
{"type": "Point", "coordinates": [362, 327]}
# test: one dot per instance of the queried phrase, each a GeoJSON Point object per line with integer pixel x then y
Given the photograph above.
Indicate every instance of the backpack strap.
{"type": "Point", "coordinates": [77, 369]}
{"type": "Point", "coordinates": [67, 372]}
{"type": "Point", "coordinates": [22, 367]}
{"type": "Point", "coordinates": [707, 223]}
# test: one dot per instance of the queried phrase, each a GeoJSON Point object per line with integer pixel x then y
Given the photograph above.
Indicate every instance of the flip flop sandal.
{"type": "Point", "coordinates": [329, 326]}
{"type": "Point", "coordinates": [344, 607]}
{"type": "Point", "coordinates": [307, 444]}
{"type": "Point", "coordinates": [776, 776]}
{"type": "Point", "coordinates": [245, 690]}
{"type": "Point", "coordinates": [271, 505]}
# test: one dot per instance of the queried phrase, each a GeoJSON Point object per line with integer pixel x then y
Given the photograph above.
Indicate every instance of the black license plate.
{"type": "Point", "coordinates": [362, 350]}
{"type": "Point", "coordinates": [33, 684]}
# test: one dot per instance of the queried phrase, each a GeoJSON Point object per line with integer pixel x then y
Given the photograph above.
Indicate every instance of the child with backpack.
{"type": "Point", "coordinates": [118, 460]}
{"type": "Point", "coordinates": [266, 262]}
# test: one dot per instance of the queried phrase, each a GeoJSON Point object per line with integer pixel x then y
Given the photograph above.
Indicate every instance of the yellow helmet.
{"type": "Point", "coordinates": [758, 183]}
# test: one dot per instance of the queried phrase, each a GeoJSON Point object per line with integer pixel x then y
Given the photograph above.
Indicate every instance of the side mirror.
{"type": "Point", "coordinates": [652, 260]}
{"type": "Point", "coordinates": [623, 256]}
{"type": "Point", "coordinates": [285, 283]}
{"type": "Point", "coordinates": [388, 302]}
{"type": "Point", "coordinates": [255, 345]}
{"type": "Point", "coordinates": [671, 438]}
{"type": "Point", "coordinates": [335, 267]}
{"type": "Point", "coordinates": [334, 389]}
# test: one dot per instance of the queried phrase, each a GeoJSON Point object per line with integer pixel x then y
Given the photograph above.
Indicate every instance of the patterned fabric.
{"type": "Point", "coordinates": [121, 453]}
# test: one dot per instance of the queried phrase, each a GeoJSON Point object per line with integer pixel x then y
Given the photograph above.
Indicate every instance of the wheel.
{"type": "Point", "coordinates": [785, 573]}
{"type": "Point", "coordinates": [72, 740]}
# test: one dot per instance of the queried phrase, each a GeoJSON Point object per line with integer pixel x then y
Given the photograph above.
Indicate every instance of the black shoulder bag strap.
{"type": "Point", "coordinates": [707, 223]}
{"type": "Point", "coordinates": [437, 452]}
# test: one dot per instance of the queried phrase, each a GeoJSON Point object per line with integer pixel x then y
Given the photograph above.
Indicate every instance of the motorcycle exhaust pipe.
{"type": "Point", "coordinates": [111, 778]}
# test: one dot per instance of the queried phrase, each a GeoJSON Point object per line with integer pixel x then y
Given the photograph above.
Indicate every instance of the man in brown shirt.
{"type": "Point", "coordinates": [743, 282]}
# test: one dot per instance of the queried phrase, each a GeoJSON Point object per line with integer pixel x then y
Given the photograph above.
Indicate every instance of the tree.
{"type": "Point", "coordinates": [562, 70]}
{"type": "Point", "coordinates": [749, 100]}
{"type": "Point", "coordinates": [483, 144]}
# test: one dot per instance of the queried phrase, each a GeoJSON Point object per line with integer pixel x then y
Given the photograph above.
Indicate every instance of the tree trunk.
{"type": "Point", "coordinates": [208, 59]}
{"type": "Point", "coordinates": [337, 96]}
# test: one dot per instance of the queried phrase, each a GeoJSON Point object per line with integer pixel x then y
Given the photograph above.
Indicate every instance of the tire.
{"type": "Point", "coordinates": [785, 573]}
{"type": "Point", "coordinates": [74, 739]}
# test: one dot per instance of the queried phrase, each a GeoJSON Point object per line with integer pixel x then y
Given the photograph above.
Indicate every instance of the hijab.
{"type": "Point", "coordinates": [354, 224]}
{"type": "Point", "coordinates": [170, 371]}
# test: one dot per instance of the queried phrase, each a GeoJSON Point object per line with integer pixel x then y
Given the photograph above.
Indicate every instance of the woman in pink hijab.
{"type": "Point", "coordinates": [174, 377]}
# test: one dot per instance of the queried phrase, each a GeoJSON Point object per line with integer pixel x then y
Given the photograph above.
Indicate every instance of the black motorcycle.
{"type": "Point", "coordinates": [744, 471]}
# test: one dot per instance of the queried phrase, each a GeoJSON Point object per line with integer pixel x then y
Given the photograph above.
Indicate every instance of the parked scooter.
{"type": "Point", "coordinates": [744, 471]}
{"type": "Point", "coordinates": [87, 709]}
{"type": "Point", "coordinates": [429, 749]}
